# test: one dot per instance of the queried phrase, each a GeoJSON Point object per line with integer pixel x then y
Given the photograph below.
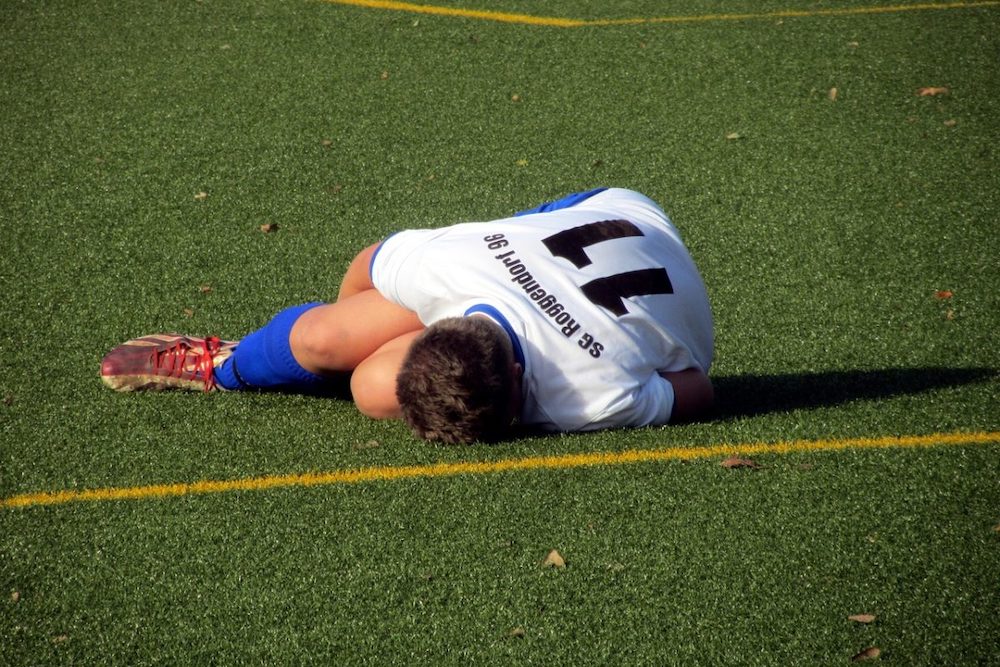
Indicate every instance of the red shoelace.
{"type": "Point", "coordinates": [184, 361]}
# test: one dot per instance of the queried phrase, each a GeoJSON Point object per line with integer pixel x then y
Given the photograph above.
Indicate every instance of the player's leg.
{"type": "Point", "coordinates": [298, 350]}
{"type": "Point", "coordinates": [304, 345]}
{"type": "Point", "coordinates": [327, 338]}
{"type": "Point", "coordinates": [336, 337]}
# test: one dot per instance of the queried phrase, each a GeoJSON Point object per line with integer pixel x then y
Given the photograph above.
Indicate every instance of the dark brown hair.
{"type": "Point", "coordinates": [455, 382]}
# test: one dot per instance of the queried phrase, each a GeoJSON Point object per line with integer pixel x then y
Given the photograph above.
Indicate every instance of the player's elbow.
{"type": "Point", "coordinates": [374, 394]}
{"type": "Point", "coordinates": [694, 395]}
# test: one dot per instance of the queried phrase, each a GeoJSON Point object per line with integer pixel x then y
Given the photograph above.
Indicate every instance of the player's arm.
{"type": "Point", "coordinates": [373, 383]}
{"type": "Point", "coordinates": [358, 277]}
{"type": "Point", "coordinates": [693, 394]}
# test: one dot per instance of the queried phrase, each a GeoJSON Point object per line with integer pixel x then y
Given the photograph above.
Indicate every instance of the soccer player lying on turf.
{"type": "Point", "coordinates": [580, 314]}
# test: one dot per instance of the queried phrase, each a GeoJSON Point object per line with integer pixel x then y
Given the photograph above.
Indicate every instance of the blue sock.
{"type": "Point", "coordinates": [264, 360]}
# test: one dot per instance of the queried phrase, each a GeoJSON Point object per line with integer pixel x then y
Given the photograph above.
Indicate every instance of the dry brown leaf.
{"type": "Point", "coordinates": [326, 143]}
{"type": "Point", "coordinates": [951, 122]}
{"type": "Point", "coordinates": [737, 462]}
{"type": "Point", "coordinates": [269, 227]}
{"type": "Point", "coordinates": [932, 91]}
{"type": "Point", "coordinates": [732, 136]}
{"type": "Point", "coordinates": [832, 95]}
{"type": "Point", "coordinates": [943, 294]}
{"type": "Point", "coordinates": [384, 75]}
{"type": "Point", "coordinates": [870, 653]}
{"type": "Point", "coordinates": [516, 633]}
{"type": "Point", "coordinates": [201, 196]}
{"type": "Point", "coordinates": [188, 313]}
{"type": "Point", "coordinates": [205, 289]}
{"type": "Point", "coordinates": [554, 559]}
{"type": "Point", "coordinates": [862, 618]}
{"type": "Point", "coordinates": [15, 596]}
{"type": "Point", "coordinates": [515, 98]}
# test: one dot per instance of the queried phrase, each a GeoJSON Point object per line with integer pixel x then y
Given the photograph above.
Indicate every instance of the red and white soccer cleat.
{"type": "Point", "coordinates": [165, 361]}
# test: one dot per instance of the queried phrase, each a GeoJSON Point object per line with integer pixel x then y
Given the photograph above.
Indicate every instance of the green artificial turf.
{"type": "Point", "coordinates": [848, 242]}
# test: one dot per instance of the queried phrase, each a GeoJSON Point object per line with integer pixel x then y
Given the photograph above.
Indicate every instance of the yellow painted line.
{"type": "Point", "coordinates": [529, 19]}
{"type": "Point", "coordinates": [463, 13]}
{"type": "Point", "coordinates": [559, 462]}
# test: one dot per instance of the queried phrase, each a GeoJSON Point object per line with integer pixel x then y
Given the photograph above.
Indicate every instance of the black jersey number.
{"type": "Point", "coordinates": [609, 292]}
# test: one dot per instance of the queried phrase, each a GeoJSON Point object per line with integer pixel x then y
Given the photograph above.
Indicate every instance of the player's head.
{"type": "Point", "coordinates": [459, 382]}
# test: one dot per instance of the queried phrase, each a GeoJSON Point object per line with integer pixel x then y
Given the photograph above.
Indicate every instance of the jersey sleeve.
{"type": "Point", "coordinates": [394, 268]}
{"type": "Point", "coordinates": [412, 271]}
{"type": "Point", "coordinates": [565, 202]}
{"type": "Point", "coordinates": [649, 404]}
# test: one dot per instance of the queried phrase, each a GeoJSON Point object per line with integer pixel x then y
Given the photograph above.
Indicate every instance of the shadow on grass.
{"type": "Point", "coordinates": [751, 395]}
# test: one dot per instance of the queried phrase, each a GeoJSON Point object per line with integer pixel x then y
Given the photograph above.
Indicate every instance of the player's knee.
{"type": "Point", "coordinates": [319, 346]}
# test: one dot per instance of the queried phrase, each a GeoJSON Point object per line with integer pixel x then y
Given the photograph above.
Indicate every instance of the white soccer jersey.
{"type": "Point", "coordinates": [597, 297]}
